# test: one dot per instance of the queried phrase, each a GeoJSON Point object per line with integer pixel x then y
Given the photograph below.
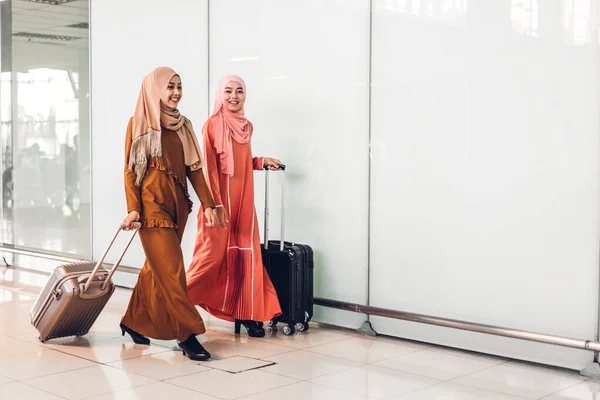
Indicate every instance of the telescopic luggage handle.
{"type": "Point", "coordinates": [135, 226]}
{"type": "Point", "coordinates": [281, 244]}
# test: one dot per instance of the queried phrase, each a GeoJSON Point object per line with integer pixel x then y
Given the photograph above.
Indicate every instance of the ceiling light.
{"type": "Point", "coordinates": [81, 25]}
{"type": "Point", "coordinates": [51, 2]}
{"type": "Point", "coordinates": [29, 35]}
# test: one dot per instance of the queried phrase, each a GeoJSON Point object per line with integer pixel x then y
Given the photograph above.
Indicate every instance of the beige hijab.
{"type": "Point", "coordinates": [150, 115]}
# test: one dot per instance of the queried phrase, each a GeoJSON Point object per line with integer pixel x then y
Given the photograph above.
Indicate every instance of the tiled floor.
{"type": "Point", "coordinates": [323, 363]}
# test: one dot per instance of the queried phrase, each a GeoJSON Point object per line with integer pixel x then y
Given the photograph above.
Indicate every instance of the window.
{"type": "Point", "coordinates": [45, 135]}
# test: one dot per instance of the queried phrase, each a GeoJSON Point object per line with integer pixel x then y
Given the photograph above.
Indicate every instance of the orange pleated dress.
{"type": "Point", "coordinates": [226, 276]}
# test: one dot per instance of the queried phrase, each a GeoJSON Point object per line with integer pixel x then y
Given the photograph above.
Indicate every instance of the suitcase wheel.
{"type": "Point", "coordinates": [289, 330]}
{"type": "Point", "coordinates": [271, 323]}
{"type": "Point", "coordinates": [271, 330]}
{"type": "Point", "coordinates": [302, 326]}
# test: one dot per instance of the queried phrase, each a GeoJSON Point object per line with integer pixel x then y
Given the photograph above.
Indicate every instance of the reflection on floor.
{"type": "Point", "coordinates": [323, 363]}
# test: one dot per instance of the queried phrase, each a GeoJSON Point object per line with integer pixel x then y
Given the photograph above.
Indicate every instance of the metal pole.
{"type": "Point", "coordinates": [369, 163]}
{"type": "Point", "coordinates": [367, 328]}
{"type": "Point", "coordinates": [57, 257]}
{"type": "Point", "coordinates": [593, 16]}
{"type": "Point", "coordinates": [90, 144]}
{"type": "Point", "coordinates": [463, 325]}
{"type": "Point", "coordinates": [37, 254]}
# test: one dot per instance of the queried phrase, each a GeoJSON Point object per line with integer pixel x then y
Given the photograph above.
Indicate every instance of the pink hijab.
{"type": "Point", "coordinates": [228, 125]}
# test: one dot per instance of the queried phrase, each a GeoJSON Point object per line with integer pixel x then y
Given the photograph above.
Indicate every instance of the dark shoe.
{"type": "Point", "coordinates": [193, 350]}
{"type": "Point", "coordinates": [137, 337]}
{"type": "Point", "coordinates": [252, 327]}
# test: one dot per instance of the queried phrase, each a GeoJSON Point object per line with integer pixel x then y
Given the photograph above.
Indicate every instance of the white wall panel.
{"type": "Point", "coordinates": [485, 172]}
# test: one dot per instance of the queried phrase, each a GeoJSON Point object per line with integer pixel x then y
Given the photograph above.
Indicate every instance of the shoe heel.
{"type": "Point", "coordinates": [237, 327]}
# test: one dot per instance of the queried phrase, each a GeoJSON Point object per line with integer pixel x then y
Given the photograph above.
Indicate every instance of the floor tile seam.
{"type": "Point", "coordinates": [41, 390]}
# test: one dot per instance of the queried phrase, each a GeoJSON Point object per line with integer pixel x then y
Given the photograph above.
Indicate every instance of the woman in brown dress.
{"type": "Point", "coordinates": [161, 152]}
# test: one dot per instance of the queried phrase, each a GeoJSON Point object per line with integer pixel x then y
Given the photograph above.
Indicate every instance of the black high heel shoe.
{"type": "Point", "coordinates": [193, 350]}
{"type": "Point", "coordinates": [252, 327]}
{"type": "Point", "coordinates": [137, 337]}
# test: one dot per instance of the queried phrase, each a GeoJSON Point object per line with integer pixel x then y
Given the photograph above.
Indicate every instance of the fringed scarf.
{"type": "Point", "coordinates": [150, 115]}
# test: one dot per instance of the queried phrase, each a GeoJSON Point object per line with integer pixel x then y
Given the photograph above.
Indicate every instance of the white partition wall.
{"type": "Point", "coordinates": [129, 39]}
{"type": "Point", "coordinates": [306, 67]}
{"type": "Point", "coordinates": [485, 173]}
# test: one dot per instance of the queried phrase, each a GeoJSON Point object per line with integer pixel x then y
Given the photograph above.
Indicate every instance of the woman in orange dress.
{"type": "Point", "coordinates": [226, 276]}
{"type": "Point", "coordinates": [161, 153]}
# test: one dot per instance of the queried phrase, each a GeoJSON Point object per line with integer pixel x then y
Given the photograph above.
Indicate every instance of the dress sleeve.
{"type": "Point", "coordinates": [212, 163]}
{"type": "Point", "coordinates": [201, 188]}
{"type": "Point", "coordinates": [257, 162]}
{"type": "Point", "coordinates": [132, 192]}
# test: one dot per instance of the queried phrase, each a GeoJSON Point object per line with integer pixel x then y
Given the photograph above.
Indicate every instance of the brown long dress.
{"type": "Point", "coordinates": [159, 307]}
{"type": "Point", "coordinates": [226, 276]}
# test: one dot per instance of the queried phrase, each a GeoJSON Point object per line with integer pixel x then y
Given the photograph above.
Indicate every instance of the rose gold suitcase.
{"type": "Point", "coordinates": [74, 296]}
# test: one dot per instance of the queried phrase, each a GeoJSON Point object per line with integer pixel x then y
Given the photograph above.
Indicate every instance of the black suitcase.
{"type": "Point", "coordinates": [291, 269]}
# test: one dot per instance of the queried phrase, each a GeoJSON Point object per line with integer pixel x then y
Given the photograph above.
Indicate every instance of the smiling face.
{"type": "Point", "coordinates": [173, 92]}
{"type": "Point", "coordinates": [234, 96]}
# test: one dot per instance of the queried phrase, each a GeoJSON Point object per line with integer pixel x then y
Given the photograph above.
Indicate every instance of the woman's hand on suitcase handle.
{"type": "Point", "coordinates": [272, 164]}
{"type": "Point", "coordinates": [221, 216]}
{"type": "Point", "coordinates": [132, 217]}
